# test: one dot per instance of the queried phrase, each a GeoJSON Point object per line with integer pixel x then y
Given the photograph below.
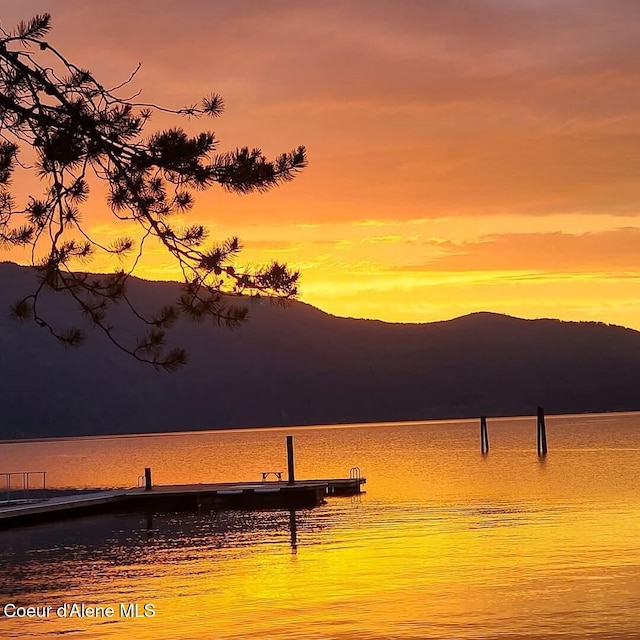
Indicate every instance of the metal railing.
{"type": "Point", "coordinates": [26, 489]}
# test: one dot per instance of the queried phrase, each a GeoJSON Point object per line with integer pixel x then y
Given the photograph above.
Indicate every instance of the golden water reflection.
{"type": "Point", "coordinates": [445, 544]}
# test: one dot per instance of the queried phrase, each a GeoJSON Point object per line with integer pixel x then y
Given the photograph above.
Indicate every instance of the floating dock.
{"type": "Point", "coordinates": [302, 494]}
{"type": "Point", "coordinates": [276, 494]}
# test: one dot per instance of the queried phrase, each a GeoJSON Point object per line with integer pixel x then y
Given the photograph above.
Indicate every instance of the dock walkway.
{"type": "Point", "coordinates": [82, 501]}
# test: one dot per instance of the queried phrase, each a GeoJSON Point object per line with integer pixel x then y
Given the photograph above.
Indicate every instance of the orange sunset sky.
{"type": "Point", "coordinates": [463, 155]}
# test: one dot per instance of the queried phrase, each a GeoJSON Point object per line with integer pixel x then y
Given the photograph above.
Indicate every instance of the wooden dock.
{"type": "Point", "coordinates": [302, 494]}
{"type": "Point", "coordinates": [277, 494]}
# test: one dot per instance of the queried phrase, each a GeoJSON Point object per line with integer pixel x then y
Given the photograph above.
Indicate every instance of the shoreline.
{"type": "Point", "coordinates": [334, 425]}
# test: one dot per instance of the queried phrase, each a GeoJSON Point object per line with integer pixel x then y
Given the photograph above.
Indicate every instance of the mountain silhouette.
{"type": "Point", "coordinates": [297, 365]}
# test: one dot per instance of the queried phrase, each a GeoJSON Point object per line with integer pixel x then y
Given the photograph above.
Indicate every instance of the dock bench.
{"type": "Point", "coordinates": [277, 475]}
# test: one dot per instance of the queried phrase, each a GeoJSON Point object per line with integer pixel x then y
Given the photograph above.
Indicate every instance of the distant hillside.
{"type": "Point", "coordinates": [298, 365]}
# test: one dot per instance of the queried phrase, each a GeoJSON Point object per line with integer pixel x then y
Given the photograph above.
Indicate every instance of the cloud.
{"type": "Point", "coordinates": [616, 251]}
{"type": "Point", "coordinates": [389, 238]}
{"type": "Point", "coordinates": [409, 108]}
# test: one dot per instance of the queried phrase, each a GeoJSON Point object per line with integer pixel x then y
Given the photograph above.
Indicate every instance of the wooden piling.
{"type": "Point", "coordinates": [290, 461]}
{"type": "Point", "coordinates": [147, 479]}
{"type": "Point", "coordinates": [542, 433]}
{"type": "Point", "coordinates": [484, 435]}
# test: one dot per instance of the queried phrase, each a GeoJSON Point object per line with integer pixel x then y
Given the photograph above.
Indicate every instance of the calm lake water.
{"type": "Point", "coordinates": [444, 544]}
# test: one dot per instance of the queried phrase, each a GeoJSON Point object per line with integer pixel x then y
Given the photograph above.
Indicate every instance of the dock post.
{"type": "Point", "coordinates": [290, 461]}
{"type": "Point", "coordinates": [484, 435]}
{"type": "Point", "coordinates": [147, 479]}
{"type": "Point", "coordinates": [542, 433]}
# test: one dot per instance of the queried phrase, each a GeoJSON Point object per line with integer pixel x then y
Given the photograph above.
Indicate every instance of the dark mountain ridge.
{"type": "Point", "coordinates": [298, 365]}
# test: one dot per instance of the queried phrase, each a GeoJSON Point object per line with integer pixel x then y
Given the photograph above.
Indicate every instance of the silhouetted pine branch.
{"type": "Point", "coordinates": [78, 131]}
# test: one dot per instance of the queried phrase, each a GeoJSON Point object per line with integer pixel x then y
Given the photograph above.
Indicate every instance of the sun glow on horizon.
{"type": "Point", "coordinates": [503, 180]}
